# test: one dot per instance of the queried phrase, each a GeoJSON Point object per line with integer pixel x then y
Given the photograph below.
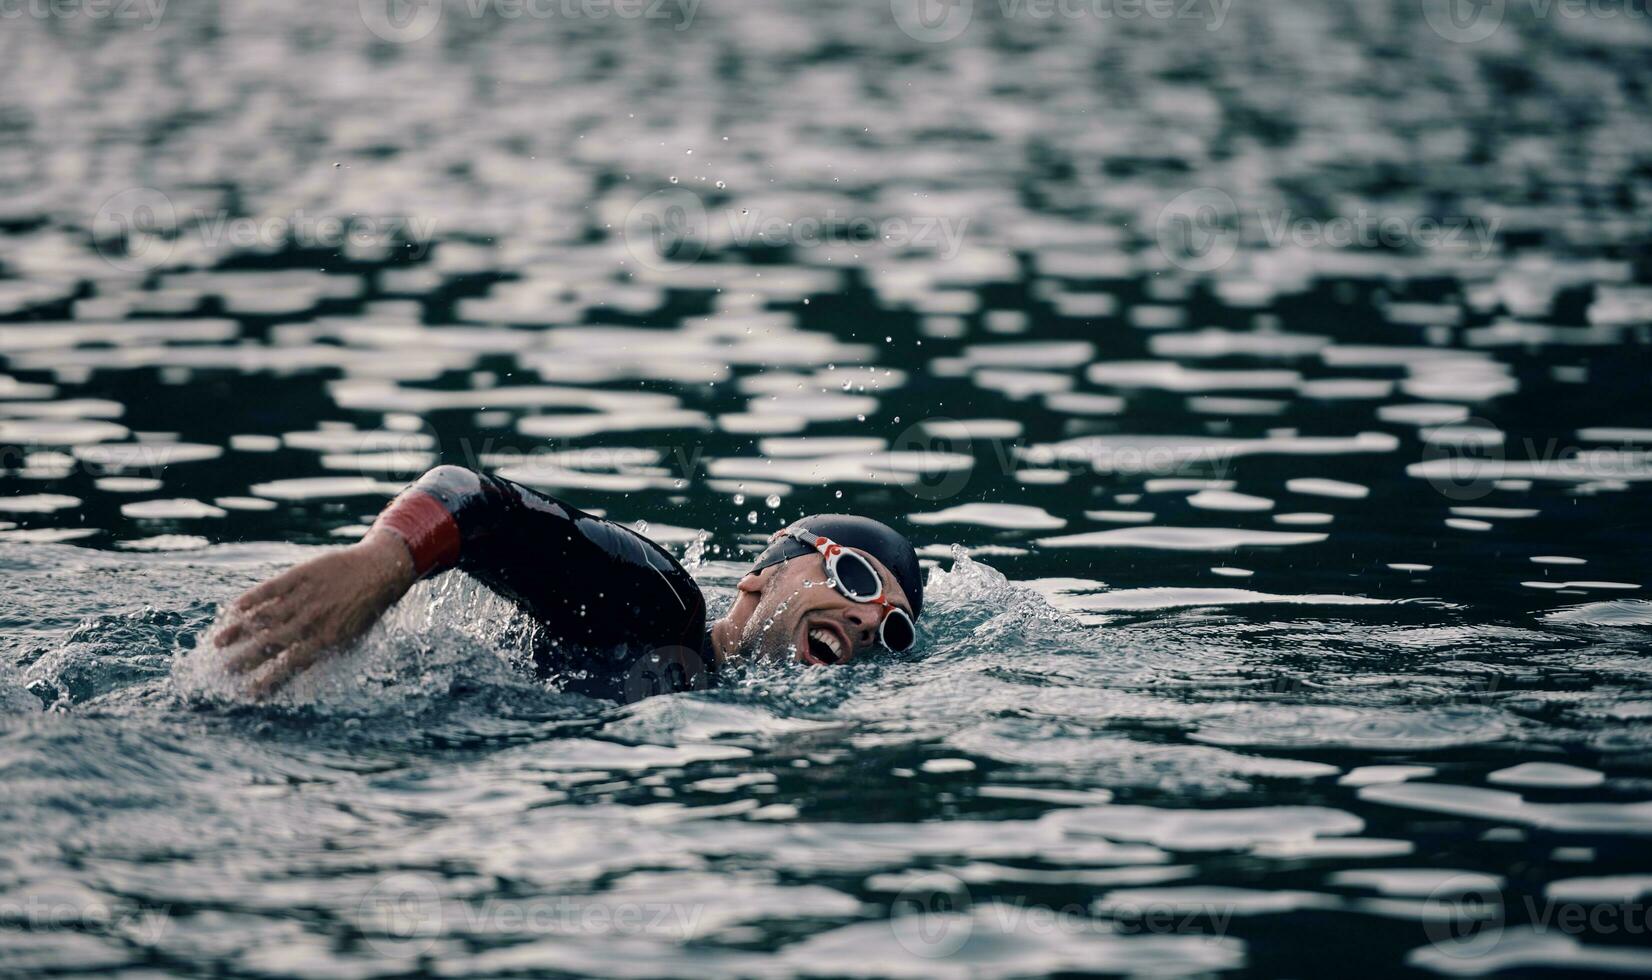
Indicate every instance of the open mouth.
{"type": "Point", "coordinates": [824, 646]}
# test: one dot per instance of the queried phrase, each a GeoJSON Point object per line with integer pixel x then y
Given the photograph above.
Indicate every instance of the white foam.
{"type": "Point", "coordinates": [1181, 539]}
{"type": "Point", "coordinates": [37, 503]}
{"type": "Point", "coordinates": [1007, 516]}
{"type": "Point", "coordinates": [1164, 597]}
{"type": "Point", "coordinates": [1229, 501]}
{"type": "Point", "coordinates": [165, 542]}
{"type": "Point", "coordinates": [1417, 882]}
{"type": "Point", "coordinates": [1135, 454]}
{"type": "Point", "coordinates": [1207, 830]}
{"type": "Point", "coordinates": [178, 509]}
{"type": "Point", "coordinates": [1464, 524]}
{"type": "Point", "coordinates": [58, 432]}
{"type": "Point", "coordinates": [1422, 413]}
{"type": "Point", "coordinates": [1497, 805]}
{"type": "Point", "coordinates": [1609, 889]}
{"type": "Point", "coordinates": [1084, 403]}
{"type": "Point", "coordinates": [127, 484]}
{"type": "Point", "coordinates": [1526, 949]}
{"type": "Point", "coordinates": [1315, 487]}
{"type": "Point", "coordinates": [969, 429]}
{"type": "Point", "coordinates": [1173, 377]}
{"type": "Point", "coordinates": [1551, 775]}
{"type": "Point", "coordinates": [1120, 516]}
{"type": "Point", "coordinates": [245, 503]}
{"type": "Point", "coordinates": [325, 488]}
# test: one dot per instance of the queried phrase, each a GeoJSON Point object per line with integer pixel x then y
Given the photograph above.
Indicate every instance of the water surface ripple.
{"type": "Point", "coordinates": [1288, 598]}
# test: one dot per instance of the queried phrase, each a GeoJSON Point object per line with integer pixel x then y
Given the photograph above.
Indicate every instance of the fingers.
{"type": "Point", "coordinates": [254, 637]}
{"type": "Point", "coordinates": [252, 603]}
{"type": "Point", "coordinates": [270, 589]}
{"type": "Point", "coordinates": [291, 662]}
{"type": "Point", "coordinates": [238, 625]}
{"type": "Point", "coordinates": [229, 634]}
{"type": "Point", "coordinates": [263, 648]}
{"type": "Point", "coordinates": [250, 655]}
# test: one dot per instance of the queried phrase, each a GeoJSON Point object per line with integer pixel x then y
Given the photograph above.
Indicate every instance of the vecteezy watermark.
{"type": "Point", "coordinates": [146, 14]}
{"type": "Point", "coordinates": [665, 670]}
{"type": "Point", "coordinates": [407, 21]}
{"type": "Point", "coordinates": [930, 915]}
{"type": "Point", "coordinates": [401, 915]}
{"type": "Point", "coordinates": [404, 915]}
{"type": "Point", "coordinates": [1468, 459]}
{"type": "Point", "coordinates": [1473, 21]}
{"type": "Point", "coordinates": [1199, 230]}
{"type": "Point", "coordinates": [139, 230]}
{"type": "Point", "coordinates": [939, 21]}
{"type": "Point", "coordinates": [672, 228]}
{"type": "Point", "coordinates": [1468, 917]}
{"type": "Point", "coordinates": [933, 916]}
{"type": "Point", "coordinates": [934, 456]}
{"type": "Point", "coordinates": [1463, 458]}
{"type": "Point", "coordinates": [42, 913]}
{"type": "Point", "coordinates": [1202, 229]}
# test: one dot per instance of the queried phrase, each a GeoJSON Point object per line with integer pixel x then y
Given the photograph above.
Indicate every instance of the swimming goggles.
{"type": "Point", "coordinates": [854, 577]}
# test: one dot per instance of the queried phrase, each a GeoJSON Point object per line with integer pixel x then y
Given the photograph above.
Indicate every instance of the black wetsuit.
{"type": "Point", "coordinates": [619, 618]}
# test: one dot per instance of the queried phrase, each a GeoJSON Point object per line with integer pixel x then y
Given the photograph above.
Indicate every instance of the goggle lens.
{"type": "Point", "coordinates": [898, 632]}
{"type": "Point", "coordinates": [856, 578]}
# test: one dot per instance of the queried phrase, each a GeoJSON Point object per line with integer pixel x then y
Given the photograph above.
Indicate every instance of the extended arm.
{"type": "Point", "coordinates": [591, 584]}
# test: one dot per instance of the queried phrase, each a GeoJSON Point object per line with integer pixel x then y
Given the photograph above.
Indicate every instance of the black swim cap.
{"type": "Point", "coordinates": [876, 539]}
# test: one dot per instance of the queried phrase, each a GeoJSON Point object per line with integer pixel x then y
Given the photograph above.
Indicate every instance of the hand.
{"type": "Point", "coordinates": [313, 610]}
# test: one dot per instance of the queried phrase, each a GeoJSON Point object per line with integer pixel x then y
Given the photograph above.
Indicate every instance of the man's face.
{"type": "Point", "coordinates": [800, 617]}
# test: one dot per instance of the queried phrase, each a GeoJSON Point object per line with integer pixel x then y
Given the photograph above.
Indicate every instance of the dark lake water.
{"type": "Point", "coordinates": [1266, 384]}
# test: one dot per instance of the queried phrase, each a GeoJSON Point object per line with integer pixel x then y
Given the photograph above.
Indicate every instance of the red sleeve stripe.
{"type": "Point", "coordinates": [431, 533]}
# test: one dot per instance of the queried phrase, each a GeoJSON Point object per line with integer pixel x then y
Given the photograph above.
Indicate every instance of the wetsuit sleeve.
{"type": "Point", "coordinates": [590, 583]}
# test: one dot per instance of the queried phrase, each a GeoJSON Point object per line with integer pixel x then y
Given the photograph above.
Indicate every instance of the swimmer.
{"type": "Point", "coordinates": [617, 616]}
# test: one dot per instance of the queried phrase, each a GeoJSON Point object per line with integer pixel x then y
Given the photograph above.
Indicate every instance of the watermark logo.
{"type": "Point", "coordinates": [930, 916]}
{"type": "Point", "coordinates": [934, 457]}
{"type": "Point", "coordinates": [672, 228]}
{"type": "Point", "coordinates": [408, 21]}
{"type": "Point", "coordinates": [400, 21]}
{"type": "Point", "coordinates": [146, 13]}
{"type": "Point", "coordinates": [1464, 21]}
{"type": "Point", "coordinates": [1199, 230]}
{"type": "Point", "coordinates": [933, 21]}
{"type": "Point", "coordinates": [139, 230]}
{"type": "Point", "coordinates": [1463, 460]}
{"type": "Point", "coordinates": [666, 670]}
{"type": "Point", "coordinates": [1464, 917]}
{"type": "Point", "coordinates": [401, 916]}
{"type": "Point", "coordinates": [76, 913]}
{"type": "Point", "coordinates": [134, 230]}
{"type": "Point", "coordinates": [939, 21]}
{"type": "Point", "coordinates": [1474, 21]}
{"type": "Point", "coordinates": [667, 230]}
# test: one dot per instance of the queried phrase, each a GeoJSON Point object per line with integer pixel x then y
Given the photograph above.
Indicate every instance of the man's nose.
{"type": "Point", "coordinates": [862, 620]}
